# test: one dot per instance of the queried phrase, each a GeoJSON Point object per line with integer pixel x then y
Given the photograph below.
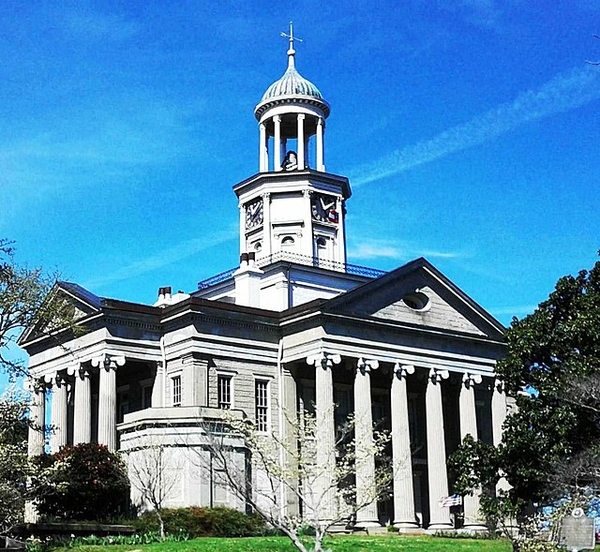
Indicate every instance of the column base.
{"type": "Point", "coordinates": [440, 527]}
{"type": "Point", "coordinates": [407, 526]}
{"type": "Point", "coordinates": [473, 528]}
{"type": "Point", "coordinates": [367, 526]}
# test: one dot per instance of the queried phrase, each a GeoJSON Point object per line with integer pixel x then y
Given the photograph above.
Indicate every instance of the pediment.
{"type": "Point", "coordinates": [417, 294]}
{"type": "Point", "coordinates": [66, 304]}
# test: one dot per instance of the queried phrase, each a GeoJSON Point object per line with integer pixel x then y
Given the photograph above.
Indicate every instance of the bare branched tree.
{"type": "Point", "coordinates": [280, 479]}
{"type": "Point", "coordinates": [154, 471]}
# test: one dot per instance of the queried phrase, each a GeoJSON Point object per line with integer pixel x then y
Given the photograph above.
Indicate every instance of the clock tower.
{"type": "Point", "coordinates": [292, 209]}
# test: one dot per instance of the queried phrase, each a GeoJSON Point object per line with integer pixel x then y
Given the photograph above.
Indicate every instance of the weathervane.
{"type": "Point", "coordinates": [291, 37]}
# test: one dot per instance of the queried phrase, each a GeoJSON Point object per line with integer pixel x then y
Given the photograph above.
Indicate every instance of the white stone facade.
{"type": "Point", "coordinates": [292, 327]}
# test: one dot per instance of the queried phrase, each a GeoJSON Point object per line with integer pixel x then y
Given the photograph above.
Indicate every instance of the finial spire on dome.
{"type": "Point", "coordinates": [291, 52]}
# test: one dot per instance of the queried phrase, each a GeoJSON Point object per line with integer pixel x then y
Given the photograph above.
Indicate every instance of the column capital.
{"type": "Point", "coordinates": [307, 193]}
{"type": "Point", "coordinates": [364, 365]}
{"type": "Point", "coordinates": [301, 116]}
{"type": "Point", "coordinates": [35, 385]}
{"type": "Point", "coordinates": [469, 380]}
{"type": "Point", "coordinates": [324, 360]}
{"type": "Point", "coordinates": [436, 375]}
{"type": "Point", "coordinates": [266, 196]}
{"type": "Point", "coordinates": [108, 362]}
{"type": "Point", "coordinates": [499, 386]}
{"type": "Point", "coordinates": [403, 370]}
{"type": "Point", "coordinates": [277, 118]}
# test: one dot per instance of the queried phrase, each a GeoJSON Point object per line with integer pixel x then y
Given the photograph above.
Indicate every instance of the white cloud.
{"type": "Point", "coordinates": [385, 249]}
{"type": "Point", "coordinates": [517, 310]}
{"type": "Point", "coordinates": [563, 93]}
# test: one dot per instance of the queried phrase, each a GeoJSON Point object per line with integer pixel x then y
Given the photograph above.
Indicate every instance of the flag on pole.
{"type": "Point", "coordinates": [447, 501]}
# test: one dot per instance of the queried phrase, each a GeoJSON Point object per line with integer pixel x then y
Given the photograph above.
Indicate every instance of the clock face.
{"type": "Point", "coordinates": [323, 208]}
{"type": "Point", "coordinates": [254, 214]}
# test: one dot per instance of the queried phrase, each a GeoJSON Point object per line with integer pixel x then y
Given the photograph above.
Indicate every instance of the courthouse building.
{"type": "Point", "coordinates": [294, 326]}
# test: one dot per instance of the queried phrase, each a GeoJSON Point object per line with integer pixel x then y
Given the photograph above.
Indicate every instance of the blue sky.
{"type": "Point", "coordinates": [469, 130]}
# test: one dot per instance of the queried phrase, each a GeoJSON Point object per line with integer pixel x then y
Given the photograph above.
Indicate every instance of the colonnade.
{"type": "Point", "coordinates": [405, 515]}
{"type": "Point", "coordinates": [76, 379]}
{"type": "Point", "coordinates": [280, 141]}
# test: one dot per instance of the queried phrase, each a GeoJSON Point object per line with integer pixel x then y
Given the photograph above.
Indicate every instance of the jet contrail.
{"type": "Point", "coordinates": [565, 92]}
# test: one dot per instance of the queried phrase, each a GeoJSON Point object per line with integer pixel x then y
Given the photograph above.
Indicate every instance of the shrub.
{"type": "Point", "coordinates": [204, 522]}
{"type": "Point", "coordinates": [82, 482]}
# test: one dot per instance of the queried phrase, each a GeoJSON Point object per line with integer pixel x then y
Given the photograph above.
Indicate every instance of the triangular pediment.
{"type": "Point", "coordinates": [417, 294]}
{"type": "Point", "coordinates": [66, 304]}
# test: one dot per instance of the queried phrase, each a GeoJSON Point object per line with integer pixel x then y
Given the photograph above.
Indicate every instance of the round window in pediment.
{"type": "Point", "coordinates": [416, 301]}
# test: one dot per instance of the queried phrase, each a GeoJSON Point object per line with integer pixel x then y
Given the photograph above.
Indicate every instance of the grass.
{"type": "Point", "coordinates": [346, 543]}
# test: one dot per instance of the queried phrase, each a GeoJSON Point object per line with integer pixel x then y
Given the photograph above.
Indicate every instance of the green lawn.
{"type": "Point", "coordinates": [347, 543]}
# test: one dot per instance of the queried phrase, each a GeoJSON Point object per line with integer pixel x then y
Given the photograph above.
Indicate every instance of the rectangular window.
{"type": "Point", "coordinates": [224, 391]}
{"type": "Point", "coordinates": [261, 394]}
{"type": "Point", "coordinates": [176, 390]}
{"type": "Point", "coordinates": [147, 396]}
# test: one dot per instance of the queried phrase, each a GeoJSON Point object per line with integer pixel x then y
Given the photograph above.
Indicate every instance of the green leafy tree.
{"type": "Point", "coordinates": [552, 372]}
{"type": "Point", "coordinates": [25, 301]}
{"type": "Point", "coordinates": [81, 482]}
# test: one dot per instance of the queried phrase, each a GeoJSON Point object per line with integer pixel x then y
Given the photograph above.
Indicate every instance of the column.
{"type": "Point", "coordinates": [320, 148]}
{"type": "Point", "coordinates": [277, 143]}
{"type": "Point", "coordinates": [404, 500]}
{"type": "Point", "coordinates": [439, 518]}
{"type": "Point", "coordinates": [366, 489]}
{"type": "Point", "coordinates": [499, 412]}
{"type": "Point", "coordinates": [37, 416]}
{"type": "Point", "coordinates": [263, 155]}
{"type": "Point", "coordinates": [325, 492]}
{"type": "Point", "coordinates": [301, 150]}
{"type": "Point", "coordinates": [82, 419]}
{"type": "Point", "coordinates": [107, 399]}
{"type": "Point", "coordinates": [468, 426]}
{"type": "Point", "coordinates": [59, 422]}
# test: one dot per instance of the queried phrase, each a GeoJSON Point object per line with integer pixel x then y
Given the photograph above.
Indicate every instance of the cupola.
{"type": "Point", "coordinates": [290, 114]}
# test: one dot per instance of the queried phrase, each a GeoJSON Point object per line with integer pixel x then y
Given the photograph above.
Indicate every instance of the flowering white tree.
{"type": "Point", "coordinates": [14, 466]}
{"type": "Point", "coordinates": [282, 481]}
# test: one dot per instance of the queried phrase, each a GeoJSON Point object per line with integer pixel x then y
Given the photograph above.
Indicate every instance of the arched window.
{"type": "Point", "coordinates": [287, 241]}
